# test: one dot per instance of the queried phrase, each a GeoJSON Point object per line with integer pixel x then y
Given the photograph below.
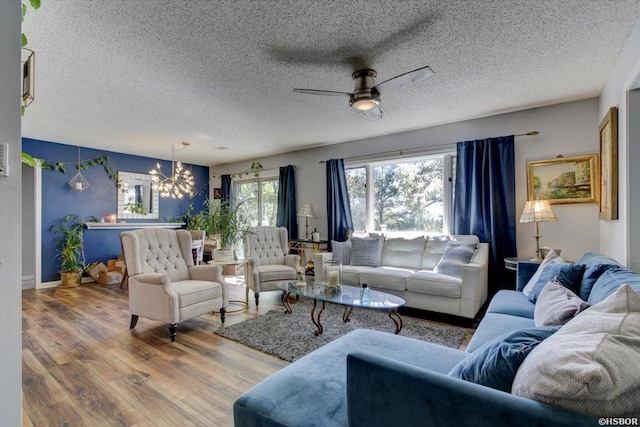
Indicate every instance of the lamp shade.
{"type": "Point", "coordinates": [306, 210]}
{"type": "Point", "coordinates": [538, 211]}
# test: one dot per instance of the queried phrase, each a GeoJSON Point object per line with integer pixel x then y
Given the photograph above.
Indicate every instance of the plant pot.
{"type": "Point", "coordinates": [223, 255]}
{"type": "Point", "coordinates": [70, 279]}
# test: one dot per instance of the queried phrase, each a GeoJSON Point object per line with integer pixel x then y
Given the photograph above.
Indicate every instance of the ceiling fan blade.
{"type": "Point", "coordinates": [403, 80]}
{"type": "Point", "coordinates": [374, 113]}
{"type": "Point", "coordinates": [322, 92]}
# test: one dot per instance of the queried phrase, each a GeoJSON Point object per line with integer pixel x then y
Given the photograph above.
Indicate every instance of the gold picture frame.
{"type": "Point", "coordinates": [609, 165]}
{"type": "Point", "coordinates": [564, 179]}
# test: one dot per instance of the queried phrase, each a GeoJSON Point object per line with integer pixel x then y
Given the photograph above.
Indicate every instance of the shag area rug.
{"type": "Point", "coordinates": [290, 336]}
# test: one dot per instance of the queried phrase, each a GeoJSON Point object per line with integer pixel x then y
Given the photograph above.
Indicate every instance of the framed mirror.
{"type": "Point", "coordinates": [136, 197]}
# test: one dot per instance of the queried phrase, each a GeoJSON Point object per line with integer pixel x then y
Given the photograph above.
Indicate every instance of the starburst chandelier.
{"type": "Point", "coordinates": [180, 182]}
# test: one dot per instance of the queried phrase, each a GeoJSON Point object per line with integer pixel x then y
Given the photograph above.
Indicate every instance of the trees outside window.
{"type": "Point", "coordinates": [407, 196]}
{"type": "Point", "coordinates": [260, 199]}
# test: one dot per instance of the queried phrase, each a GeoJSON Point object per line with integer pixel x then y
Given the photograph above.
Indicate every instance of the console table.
{"type": "Point", "coordinates": [299, 246]}
{"type": "Point", "coordinates": [131, 225]}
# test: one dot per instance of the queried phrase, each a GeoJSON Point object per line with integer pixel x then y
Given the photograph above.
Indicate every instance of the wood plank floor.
{"type": "Point", "coordinates": [82, 366]}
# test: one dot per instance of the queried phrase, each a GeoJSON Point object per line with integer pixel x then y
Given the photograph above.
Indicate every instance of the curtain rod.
{"type": "Point", "coordinates": [532, 133]}
{"type": "Point", "coordinates": [247, 171]}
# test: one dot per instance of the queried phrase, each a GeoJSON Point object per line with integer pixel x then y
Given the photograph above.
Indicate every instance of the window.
{"type": "Point", "coordinates": [259, 200]}
{"type": "Point", "coordinates": [413, 195]}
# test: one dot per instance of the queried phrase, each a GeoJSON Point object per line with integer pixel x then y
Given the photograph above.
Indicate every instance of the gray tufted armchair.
{"type": "Point", "coordinates": [267, 252]}
{"type": "Point", "coordinates": [164, 283]}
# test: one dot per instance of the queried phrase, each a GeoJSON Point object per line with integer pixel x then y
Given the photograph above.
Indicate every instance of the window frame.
{"type": "Point", "coordinates": [235, 183]}
{"type": "Point", "coordinates": [448, 157]}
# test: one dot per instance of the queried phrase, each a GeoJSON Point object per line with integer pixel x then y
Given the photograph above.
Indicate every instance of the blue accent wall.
{"type": "Point", "coordinates": [59, 199]}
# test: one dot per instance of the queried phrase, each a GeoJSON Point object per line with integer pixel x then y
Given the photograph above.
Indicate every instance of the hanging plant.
{"type": "Point", "coordinates": [99, 160]}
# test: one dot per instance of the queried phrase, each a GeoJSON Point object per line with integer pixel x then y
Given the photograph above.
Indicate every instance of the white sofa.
{"type": "Point", "coordinates": [407, 270]}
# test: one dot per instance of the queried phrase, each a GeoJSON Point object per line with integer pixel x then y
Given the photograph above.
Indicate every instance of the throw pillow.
{"type": "Point", "coordinates": [610, 281]}
{"type": "Point", "coordinates": [550, 258]}
{"type": "Point", "coordinates": [496, 362]}
{"type": "Point", "coordinates": [591, 364]}
{"type": "Point", "coordinates": [365, 251]}
{"type": "Point", "coordinates": [341, 251]}
{"type": "Point", "coordinates": [557, 305]}
{"type": "Point", "coordinates": [455, 255]}
{"type": "Point", "coordinates": [590, 276]}
{"type": "Point", "coordinates": [567, 274]}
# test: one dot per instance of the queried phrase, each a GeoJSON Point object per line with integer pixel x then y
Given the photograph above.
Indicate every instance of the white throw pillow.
{"type": "Point", "coordinates": [591, 364]}
{"type": "Point", "coordinates": [551, 257]}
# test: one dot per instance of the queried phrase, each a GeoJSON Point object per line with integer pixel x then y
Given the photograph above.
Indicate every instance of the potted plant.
{"type": "Point", "coordinates": [223, 222]}
{"type": "Point", "coordinates": [68, 230]}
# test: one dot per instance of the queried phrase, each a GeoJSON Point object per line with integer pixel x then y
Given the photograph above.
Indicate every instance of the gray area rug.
{"type": "Point", "coordinates": [290, 336]}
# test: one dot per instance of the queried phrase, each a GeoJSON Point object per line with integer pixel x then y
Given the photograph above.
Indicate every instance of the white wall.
{"type": "Point", "coordinates": [10, 221]}
{"type": "Point", "coordinates": [634, 177]}
{"type": "Point", "coordinates": [565, 129]}
{"type": "Point", "coordinates": [614, 234]}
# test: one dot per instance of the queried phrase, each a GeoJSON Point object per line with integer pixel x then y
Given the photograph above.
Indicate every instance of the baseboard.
{"type": "Point", "coordinates": [45, 285]}
{"type": "Point", "coordinates": [28, 282]}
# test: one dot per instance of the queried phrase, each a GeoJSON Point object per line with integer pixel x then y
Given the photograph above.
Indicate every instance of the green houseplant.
{"type": "Point", "coordinates": [224, 222]}
{"type": "Point", "coordinates": [68, 231]}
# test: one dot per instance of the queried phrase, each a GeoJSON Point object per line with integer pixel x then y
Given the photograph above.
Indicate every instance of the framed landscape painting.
{"type": "Point", "coordinates": [609, 165]}
{"type": "Point", "coordinates": [564, 179]}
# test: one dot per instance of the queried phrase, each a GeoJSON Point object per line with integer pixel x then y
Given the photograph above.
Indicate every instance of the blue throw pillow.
{"type": "Point", "coordinates": [592, 258]}
{"type": "Point", "coordinates": [590, 277]}
{"type": "Point", "coordinates": [456, 254]}
{"type": "Point", "coordinates": [567, 274]}
{"type": "Point", "coordinates": [495, 363]}
{"type": "Point", "coordinates": [610, 281]}
{"type": "Point", "coordinates": [597, 264]}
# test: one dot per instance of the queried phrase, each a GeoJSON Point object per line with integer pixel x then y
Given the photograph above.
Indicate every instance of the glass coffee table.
{"type": "Point", "coordinates": [349, 297]}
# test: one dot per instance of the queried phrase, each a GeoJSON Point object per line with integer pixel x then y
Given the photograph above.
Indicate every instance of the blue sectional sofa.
{"type": "Point", "coordinates": [368, 378]}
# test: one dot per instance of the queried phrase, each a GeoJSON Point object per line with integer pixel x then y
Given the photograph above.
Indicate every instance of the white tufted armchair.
{"type": "Point", "coordinates": [164, 283]}
{"type": "Point", "coordinates": [267, 252]}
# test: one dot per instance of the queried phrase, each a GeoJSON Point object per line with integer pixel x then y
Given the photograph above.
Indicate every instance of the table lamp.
{"type": "Point", "coordinates": [306, 210]}
{"type": "Point", "coordinates": [537, 211]}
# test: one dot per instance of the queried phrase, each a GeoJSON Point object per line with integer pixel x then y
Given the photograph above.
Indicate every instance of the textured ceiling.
{"type": "Point", "coordinates": [137, 76]}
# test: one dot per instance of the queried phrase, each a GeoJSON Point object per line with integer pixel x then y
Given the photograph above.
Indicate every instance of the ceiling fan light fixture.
{"type": "Point", "coordinates": [365, 104]}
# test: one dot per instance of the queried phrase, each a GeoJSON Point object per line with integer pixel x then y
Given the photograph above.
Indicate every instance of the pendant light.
{"type": "Point", "coordinates": [79, 182]}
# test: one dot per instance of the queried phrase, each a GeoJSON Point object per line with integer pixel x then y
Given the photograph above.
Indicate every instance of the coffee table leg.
{"type": "Point", "coordinates": [285, 302]}
{"type": "Point", "coordinates": [316, 320]}
{"type": "Point", "coordinates": [346, 316]}
{"type": "Point", "coordinates": [397, 320]}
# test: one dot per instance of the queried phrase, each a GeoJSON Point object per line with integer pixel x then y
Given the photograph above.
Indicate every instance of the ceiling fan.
{"type": "Point", "coordinates": [366, 94]}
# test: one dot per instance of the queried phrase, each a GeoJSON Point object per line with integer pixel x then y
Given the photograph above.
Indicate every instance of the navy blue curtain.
{"type": "Point", "coordinates": [338, 207]}
{"type": "Point", "coordinates": [287, 215]}
{"type": "Point", "coordinates": [226, 190]}
{"type": "Point", "coordinates": [484, 205]}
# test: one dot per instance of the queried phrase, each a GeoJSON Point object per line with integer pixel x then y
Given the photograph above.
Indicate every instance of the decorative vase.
{"type": "Point", "coordinates": [300, 280]}
{"type": "Point", "coordinates": [332, 273]}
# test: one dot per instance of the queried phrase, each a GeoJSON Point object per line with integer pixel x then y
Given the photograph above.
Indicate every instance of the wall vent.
{"type": "Point", "coordinates": [4, 159]}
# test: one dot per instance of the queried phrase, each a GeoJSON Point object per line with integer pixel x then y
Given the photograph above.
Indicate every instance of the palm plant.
{"type": "Point", "coordinates": [69, 243]}
{"type": "Point", "coordinates": [223, 220]}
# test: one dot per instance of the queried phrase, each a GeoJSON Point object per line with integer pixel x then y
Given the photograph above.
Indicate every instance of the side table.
{"type": "Point", "coordinates": [511, 263]}
{"type": "Point", "coordinates": [240, 261]}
